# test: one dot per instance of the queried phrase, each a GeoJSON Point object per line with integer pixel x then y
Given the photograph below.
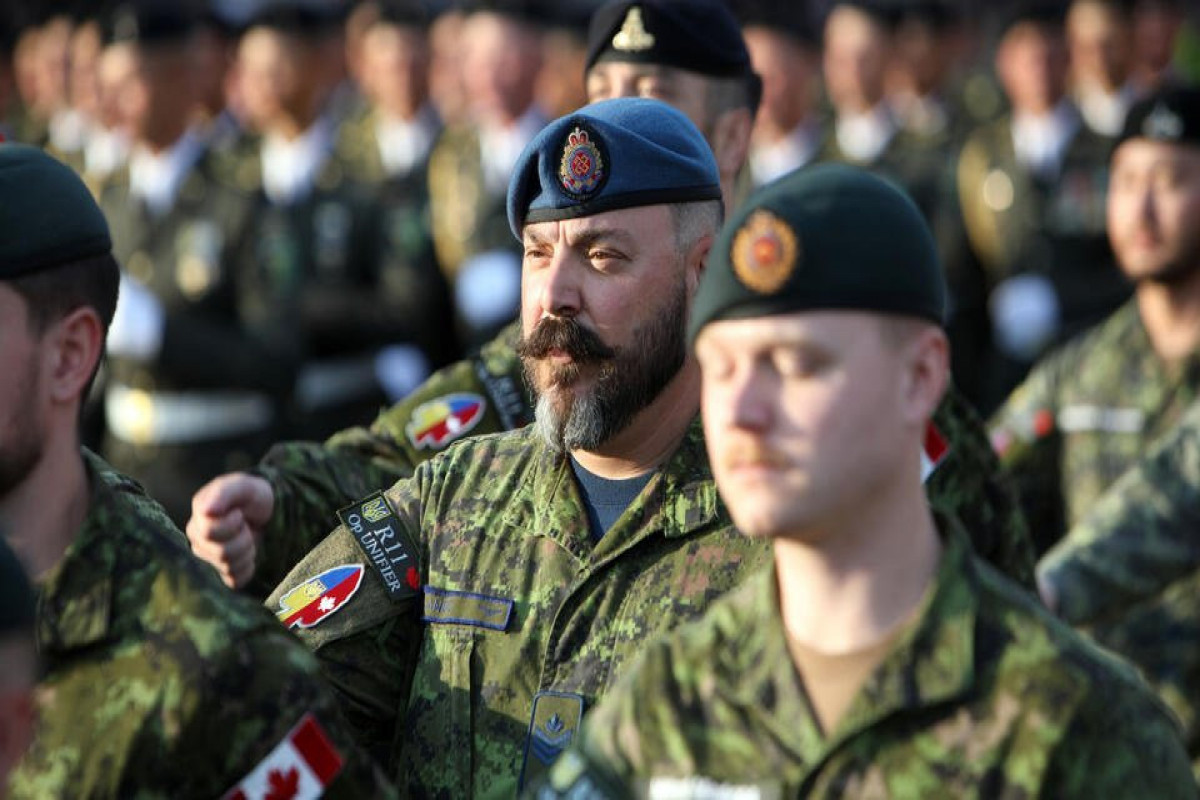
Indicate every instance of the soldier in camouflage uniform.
{"type": "Point", "coordinates": [878, 657]}
{"type": "Point", "coordinates": [1128, 573]}
{"type": "Point", "coordinates": [1090, 411]}
{"type": "Point", "coordinates": [512, 576]}
{"type": "Point", "coordinates": [192, 389]}
{"type": "Point", "coordinates": [291, 510]}
{"type": "Point", "coordinates": [154, 680]}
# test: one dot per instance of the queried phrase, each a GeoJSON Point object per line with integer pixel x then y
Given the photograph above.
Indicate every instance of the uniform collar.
{"type": "Point", "coordinates": [680, 500]}
{"type": "Point", "coordinates": [933, 662]}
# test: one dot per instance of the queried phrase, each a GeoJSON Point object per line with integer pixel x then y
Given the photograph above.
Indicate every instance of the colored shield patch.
{"type": "Point", "coordinates": [311, 602]}
{"type": "Point", "coordinates": [582, 170]}
{"type": "Point", "coordinates": [437, 423]}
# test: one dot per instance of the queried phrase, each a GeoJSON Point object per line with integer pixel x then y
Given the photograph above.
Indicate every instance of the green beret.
{"type": "Point", "coordinates": [824, 237]}
{"type": "Point", "coordinates": [47, 216]}
{"type": "Point", "coordinates": [16, 595]}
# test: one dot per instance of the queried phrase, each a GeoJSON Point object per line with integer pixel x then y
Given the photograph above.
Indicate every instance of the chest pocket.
{"type": "Point", "coordinates": [438, 732]}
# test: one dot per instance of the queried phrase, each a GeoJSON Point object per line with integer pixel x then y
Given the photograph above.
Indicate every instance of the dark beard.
{"type": "Point", "coordinates": [630, 378]}
{"type": "Point", "coordinates": [21, 452]}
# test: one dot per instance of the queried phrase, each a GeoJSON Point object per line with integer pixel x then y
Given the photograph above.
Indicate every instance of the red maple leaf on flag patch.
{"type": "Point", "coordinates": [283, 785]}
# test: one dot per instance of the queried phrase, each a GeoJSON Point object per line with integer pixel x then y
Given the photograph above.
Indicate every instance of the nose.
{"type": "Point", "coordinates": [749, 399]}
{"type": "Point", "coordinates": [560, 294]}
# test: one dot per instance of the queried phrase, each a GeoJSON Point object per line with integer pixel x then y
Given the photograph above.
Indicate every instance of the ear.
{"type": "Point", "coordinates": [731, 140]}
{"type": "Point", "coordinates": [697, 257]}
{"type": "Point", "coordinates": [72, 348]}
{"type": "Point", "coordinates": [928, 374]}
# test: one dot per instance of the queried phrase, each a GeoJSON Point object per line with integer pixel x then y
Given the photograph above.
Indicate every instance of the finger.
{"type": "Point", "coordinates": [241, 570]}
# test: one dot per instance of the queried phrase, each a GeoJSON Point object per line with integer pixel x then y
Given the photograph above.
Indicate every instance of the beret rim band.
{"type": "Point", "coordinates": [616, 202]}
{"type": "Point", "coordinates": [98, 246]}
{"type": "Point", "coordinates": [685, 61]}
{"type": "Point", "coordinates": [776, 306]}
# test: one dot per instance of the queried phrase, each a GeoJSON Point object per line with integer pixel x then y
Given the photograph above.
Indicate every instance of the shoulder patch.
{"type": "Point", "coordinates": [311, 602]}
{"type": "Point", "coordinates": [300, 766]}
{"type": "Point", "coordinates": [384, 541]}
{"type": "Point", "coordinates": [442, 420]}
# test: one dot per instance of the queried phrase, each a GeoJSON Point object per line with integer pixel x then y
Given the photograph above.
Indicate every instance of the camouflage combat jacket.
{"type": "Point", "coordinates": [157, 682]}
{"type": "Point", "coordinates": [1085, 415]}
{"type": "Point", "coordinates": [984, 696]}
{"type": "Point", "coordinates": [1129, 572]}
{"type": "Point", "coordinates": [487, 394]}
{"type": "Point", "coordinates": [485, 617]}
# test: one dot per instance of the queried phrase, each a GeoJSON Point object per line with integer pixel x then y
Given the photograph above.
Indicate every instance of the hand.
{"type": "Point", "coordinates": [228, 517]}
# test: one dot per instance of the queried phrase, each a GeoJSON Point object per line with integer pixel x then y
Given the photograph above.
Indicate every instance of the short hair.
{"type": "Point", "coordinates": [694, 220]}
{"type": "Point", "coordinates": [53, 293]}
{"type": "Point", "coordinates": [732, 94]}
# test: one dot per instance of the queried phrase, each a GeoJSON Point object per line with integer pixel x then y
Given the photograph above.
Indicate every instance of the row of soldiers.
{"type": "Point", "coordinates": [256, 528]}
{"type": "Point", "coordinates": [328, 229]}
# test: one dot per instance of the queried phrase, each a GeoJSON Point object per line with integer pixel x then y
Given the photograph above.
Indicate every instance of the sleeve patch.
{"type": "Point", "coordinates": [300, 766]}
{"type": "Point", "coordinates": [317, 598]}
{"type": "Point", "coordinates": [386, 544]}
{"type": "Point", "coordinates": [442, 420]}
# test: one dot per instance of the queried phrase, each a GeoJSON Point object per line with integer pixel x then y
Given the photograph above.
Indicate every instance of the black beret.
{"type": "Point", "coordinates": [829, 236]}
{"type": "Point", "coordinates": [1168, 115]}
{"type": "Point", "coordinates": [1045, 13]}
{"type": "Point", "coordinates": [303, 18]}
{"type": "Point", "coordinates": [149, 22]}
{"type": "Point", "coordinates": [16, 594]}
{"type": "Point", "coordinates": [787, 18]}
{"type": "Point", "coordinates": [47, 216]}
{"type": "Point", "coordinates": [702, 36]}
{"type": "Point", "coordinates": [406, 13]}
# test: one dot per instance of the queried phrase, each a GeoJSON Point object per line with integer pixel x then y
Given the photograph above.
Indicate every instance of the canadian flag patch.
{"type": "Point", "coordinates": [299, 768]}
{"type": "Point", "coordinates": [933, 451]}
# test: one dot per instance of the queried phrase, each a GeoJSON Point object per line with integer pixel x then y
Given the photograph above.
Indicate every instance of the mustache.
{"type": "Point", "coordinates": [567, 335]}
{"type": "Point", "coordinates": [746, 453]}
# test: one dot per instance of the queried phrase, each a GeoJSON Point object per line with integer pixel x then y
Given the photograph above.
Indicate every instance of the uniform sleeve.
{"type": "Point", "coordinates": [311, 480]}
{"type": "Point", "coordinates": [267, 719]}
{"type": "Point", "coordinates": [1024, 436]}
{"type": "Point", "coordinates": [970, 486]}
{"type": "Point", "coordinates": [354, 601]}
{"type": "Point", "coordinates": [1127, 747]}
{"type": "Point", "coordinates": [1140, 537]}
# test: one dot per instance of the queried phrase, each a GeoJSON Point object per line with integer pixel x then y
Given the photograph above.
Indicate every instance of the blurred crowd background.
{"type": "Point", "coordinates": [307, 197]}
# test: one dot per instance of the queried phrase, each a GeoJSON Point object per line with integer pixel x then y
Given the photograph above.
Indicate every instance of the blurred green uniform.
{"type": "Point", "coordinates": [1086, 414]}
{"type": "Point", "coordinates": [155, 680]}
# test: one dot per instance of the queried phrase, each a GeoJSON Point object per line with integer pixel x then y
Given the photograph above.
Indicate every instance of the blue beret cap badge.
{"type": "Point", "coordinates": [582, 170]}
{"type": "Point", "coordinates": [764, 252]}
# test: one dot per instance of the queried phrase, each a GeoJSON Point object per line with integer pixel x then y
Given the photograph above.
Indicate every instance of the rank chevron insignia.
{"type": "Point", "coordinates": [550, 740]}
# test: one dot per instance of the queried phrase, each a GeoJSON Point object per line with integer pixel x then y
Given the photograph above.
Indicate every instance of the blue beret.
{"type": "Point", "coordinates": [826, 237]}
{"type": "Point", "coordinates": [610, 155]}
{"type": "Point", "coordinates": [47, 216]}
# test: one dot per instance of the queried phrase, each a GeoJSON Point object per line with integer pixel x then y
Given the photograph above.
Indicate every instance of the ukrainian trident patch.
{"type": "Point", "coordinates": [582, 170]}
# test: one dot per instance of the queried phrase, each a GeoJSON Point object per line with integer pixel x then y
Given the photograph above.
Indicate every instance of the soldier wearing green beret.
{"type": "Point", "coordinates": [154, 680]}
{"type": "Point", "coordinates": [1091, 409]}
{"type": "Point", "coordinates": [18, 657]}
{"type": "Point", "coordinates": [254, 528]}
{"type": "Point", "coordinates": [878, 656]}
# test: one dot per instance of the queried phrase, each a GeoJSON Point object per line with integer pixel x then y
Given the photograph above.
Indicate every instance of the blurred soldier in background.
{"type": "Point", "coordinates": [1031, 188]}
{"type": "Point", "coordinates": [192, 389]}
{"type": "Point", "coordinates": [1100, 45]}
{"type": "Point", "coordinates": [1090, 410]}
{"type": "Point", "coordinates": [386, 145]}
{"type": "Point", "coordinates": [470, 165]}
{"type": "Point", "coordinates": [865, 130]}
{"type": "Point", "coordinates": [784, 52]}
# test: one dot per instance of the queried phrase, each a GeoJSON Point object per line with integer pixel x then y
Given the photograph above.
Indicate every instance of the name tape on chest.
{"type": "Point", "coordinates": [467, 608]}
{"type": "Point", "coordinates": [385, 543]}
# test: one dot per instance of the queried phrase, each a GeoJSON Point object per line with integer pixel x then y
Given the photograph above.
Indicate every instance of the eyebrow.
{"type": "Point", "coordinates": [585, 238]}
